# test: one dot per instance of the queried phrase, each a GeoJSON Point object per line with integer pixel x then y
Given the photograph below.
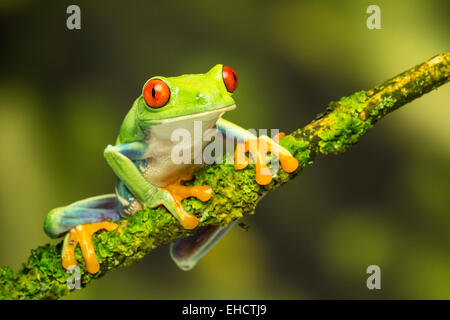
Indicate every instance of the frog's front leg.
{"type": "Point", "coordinates": [258, 147]}
{"type": "Point", "coordinates": [120, 159]}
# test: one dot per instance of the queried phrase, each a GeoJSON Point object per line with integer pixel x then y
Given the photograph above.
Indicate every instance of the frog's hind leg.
{"type": "Point", "coordinates": [95, 209]}
{"type": "Point", "coordinates": [80, 220]}
{"type": "Point", "coordinates": [186, 252]}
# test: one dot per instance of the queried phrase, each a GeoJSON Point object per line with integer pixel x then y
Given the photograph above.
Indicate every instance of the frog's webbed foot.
{"type": "Point", "coordinates": [258, 148]}
{"type": "Point", "coordinates": [82, 235]}
{"type": "Point", "coordinates": [175, 192]}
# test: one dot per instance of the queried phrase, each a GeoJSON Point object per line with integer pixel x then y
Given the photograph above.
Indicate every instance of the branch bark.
{"type": "Point", "coordinates": [236, 193]}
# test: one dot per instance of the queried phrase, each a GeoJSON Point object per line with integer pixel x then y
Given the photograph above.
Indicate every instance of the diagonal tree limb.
{"type": "Point", "coordinates": [236, 192]}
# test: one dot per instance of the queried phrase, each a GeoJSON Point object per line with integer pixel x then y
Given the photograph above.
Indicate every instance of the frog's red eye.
{"type": "Point", "coordinates": [230, 78]}
{"type": "Point", "coordinates": [156, 93]}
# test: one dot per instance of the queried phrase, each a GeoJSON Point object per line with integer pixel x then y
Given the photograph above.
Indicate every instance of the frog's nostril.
{"type": "Point", "coordinates": [201, 98]}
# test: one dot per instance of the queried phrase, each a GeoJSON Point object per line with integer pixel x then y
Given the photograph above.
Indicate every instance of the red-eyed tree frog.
{"type": "Point", "coordinates": [146, 174]}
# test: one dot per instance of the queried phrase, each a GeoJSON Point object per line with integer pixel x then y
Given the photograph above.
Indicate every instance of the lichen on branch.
{"type": "Point", "coordinates": [235, 192]}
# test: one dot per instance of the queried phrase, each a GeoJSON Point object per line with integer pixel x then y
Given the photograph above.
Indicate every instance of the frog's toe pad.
{"type": "Point", "coordinates": [202, 193]}
{"type": "Point", "coordinates": [190, 222]}
{"type": "Point", "coordinates": [288, 163]}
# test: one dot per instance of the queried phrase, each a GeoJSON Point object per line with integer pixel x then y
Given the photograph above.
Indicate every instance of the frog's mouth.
{"type": "Point", "coordinates": [215, 113]}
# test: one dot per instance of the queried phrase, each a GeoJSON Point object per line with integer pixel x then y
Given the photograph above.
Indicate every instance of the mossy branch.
{"type": "Point", "coordinates": [236, 193]}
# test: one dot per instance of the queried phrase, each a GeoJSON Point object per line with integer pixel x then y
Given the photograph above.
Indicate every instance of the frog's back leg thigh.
{"type": "Point", "coordinates": [95, 209]}
{"type": "Point", "coordinates": [186, 252]}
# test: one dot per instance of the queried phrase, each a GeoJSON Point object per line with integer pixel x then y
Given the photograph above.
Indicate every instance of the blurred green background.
{"type": "Point", "coordinates": [63, 95]}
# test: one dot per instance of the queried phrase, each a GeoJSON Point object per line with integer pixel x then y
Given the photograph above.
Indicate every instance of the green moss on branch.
{"type": "Point", "coordinates": [236, 192]}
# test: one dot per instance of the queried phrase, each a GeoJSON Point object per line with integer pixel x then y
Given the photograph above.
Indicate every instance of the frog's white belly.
{"type": "Point", "coordinates": [161, 168]}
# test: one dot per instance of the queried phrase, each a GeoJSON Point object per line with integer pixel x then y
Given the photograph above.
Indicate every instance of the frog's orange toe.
{"type": "Point", "coordinates": [263, 180]}
{"type": "Point", "coordinates": [190, 222]}
{"type": "Point", "coordinates": [68, 253]}
{"type": "Point", "coordinates": [180, 192]}
{"type": "Point", "coordinates": [202, 193]}
{"type": "Point", "coordinates": [92, 265]}
{"type": "Point", "coordinates": [241, 161]}
{"type": "Point", "coordinates": [263, 174]}
{"type": "Point", "coordinates": [289, 164]}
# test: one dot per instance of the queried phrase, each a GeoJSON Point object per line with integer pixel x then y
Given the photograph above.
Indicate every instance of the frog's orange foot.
{"type": "Point", "coordinates": [180, 192]}
{"type": "Point", "coordinates": [82, 235]}
{"type": "Point", "coordinates": [258, 148]}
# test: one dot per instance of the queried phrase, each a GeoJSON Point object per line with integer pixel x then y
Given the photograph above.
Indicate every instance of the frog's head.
{"type": "Point", "coordinates": [166, 100]}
